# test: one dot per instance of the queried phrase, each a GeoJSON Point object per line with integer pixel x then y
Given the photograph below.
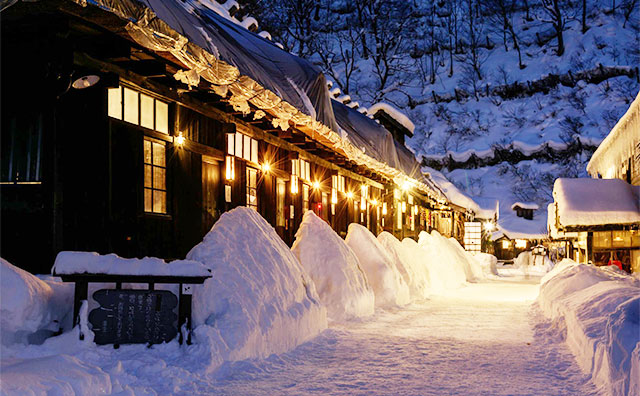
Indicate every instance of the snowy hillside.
{"type": "Point", "coordinates": [486, 82]}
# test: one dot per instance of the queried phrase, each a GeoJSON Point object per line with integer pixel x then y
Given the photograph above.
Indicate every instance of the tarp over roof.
{"type": "Point", "coordinates": [596, 202]}
{"type": "Point", "coordinates": [367, 135]}
{"type": "Point", "coordinates": [292, 78]}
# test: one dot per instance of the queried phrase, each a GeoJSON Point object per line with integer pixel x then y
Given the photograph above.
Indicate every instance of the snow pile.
{"type": "Point", "coordinates": [388, 284]}
{"type": "Point", "coordinates": [409, 259]}
{"type": "Point", "coordinates": [341, 284]}
{"type": "Point", "coordinates": [30, 309]}
{"type": "Point", "coordinates": [488, 263]}
{"type": "Point", "coordinates": [445, 272]}
{"type": "Point", "coordinates": [529, 263]}
{"type": "Point", "coordinates": [472, 267]}
{"type": "Point", "coordinates": [600, 309]}
{"type": "Point", "coordinates": [112, 264]}
{"type": "Point", "coordinates": [259, 301]}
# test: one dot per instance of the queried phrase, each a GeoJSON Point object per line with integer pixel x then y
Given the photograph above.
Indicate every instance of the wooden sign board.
{"type": "Point", "coordinates": [134, 316]}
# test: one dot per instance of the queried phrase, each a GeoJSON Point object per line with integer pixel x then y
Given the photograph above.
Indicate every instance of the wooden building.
{"type": "Point", "coordinates": [121, 134]}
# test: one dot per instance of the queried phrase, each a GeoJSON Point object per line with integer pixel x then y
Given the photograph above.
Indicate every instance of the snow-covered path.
{"type": "Point", "coordinates": [486, 339]}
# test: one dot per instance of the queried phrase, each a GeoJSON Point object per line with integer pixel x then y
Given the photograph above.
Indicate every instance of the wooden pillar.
{"type": "Point", "coordinates": [589, 247]}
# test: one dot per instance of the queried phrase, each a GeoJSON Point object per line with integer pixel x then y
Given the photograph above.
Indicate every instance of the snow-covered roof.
{"type": "Point", "coordinates": [619, 145]}
{"type": "Point", "coordinates": [525, 205]}
{"type": "Point", "coordinates": [394, 113]}
{"type": "Point", "coordinates": [454, 195]}
{"type": "Point", "coordinates": [489, 207]}
{"type": "Point", "coordinates": [596, 202]}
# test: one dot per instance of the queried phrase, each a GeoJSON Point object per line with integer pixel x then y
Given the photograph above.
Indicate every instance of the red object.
{"type": "Point", "coordinates": [617, 263]}
{"type": "Point", "coordinates": [319, 206]}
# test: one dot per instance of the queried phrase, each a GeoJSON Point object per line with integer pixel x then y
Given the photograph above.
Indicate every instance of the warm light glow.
{"type": "Point", "coordinates": [316, 185]}
{"type": "Point", "coordinates": [384, 208]}
{"type": "Point", "coordinates": [374, 202]}
{"type": "Point", "coordinates": [406, 186]}
{"type": "Point", "coordinates": [489, 226]}
{"type": "Point", "coordinates": [334, 196]}
{"type": "Point", "coordinates": [350, 195]}
{"type": "Point", "coordinates": [618, 239]}
{"type": "Point", "coordinates": [506, 244]}
{"type": "Point", "coordinates": [230, 168]}
{"type": "Point", "coordinates": [521, 243]}
{"type": "Point", "coordinates": [415, 210]}
{"type": "Point", "coordinates": [266, 167]}
{"type": "Point", "coordinates": [179, 139]}
{"type": "Point", "coordinates": [363, 204]}
{"type": "Point", "coordinates": [294, 184]}
{"type": "Point", "coordinates": [404, 207]}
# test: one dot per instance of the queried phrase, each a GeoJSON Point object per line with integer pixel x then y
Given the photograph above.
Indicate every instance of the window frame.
{"type": "Point", "coordinates": [151, 186]}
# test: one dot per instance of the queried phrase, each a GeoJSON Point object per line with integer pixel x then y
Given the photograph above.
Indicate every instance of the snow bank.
{"type": "Point", "coordinates": [409, 259]}
{"type": "Point", "coordinates": [112, 264]}
{"type": "Point", "coordinates": [30, 309]}
{"type": "Point", "coordinates": [472, 267]}
{"type": "Point", "coordinates": [488, 263]}
{"type": "Point", "coordinates": [388, 284]}
{"type": "Point", "coordinates": [445, 272]}
{"type": "Point", "coordinates": [600, 309]}
{"type": "Point", "coordinates": [341, 284]}
{"type": "Point", "coordinates": [259, 301]}
{"type": "Point", "coordinates": [54, 375]}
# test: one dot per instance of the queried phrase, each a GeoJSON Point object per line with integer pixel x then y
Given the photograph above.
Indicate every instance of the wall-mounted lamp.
{"type": "Point", "coordinates": [316, 185]}
{"type": "Point", "coordinates": [179, 139]}
{"type": "Point", "coordinates": [349, 195]}
{"type": "Point", "coordinates": [266, 167]}
{"type": "Point", "coordinates": [86, 81]}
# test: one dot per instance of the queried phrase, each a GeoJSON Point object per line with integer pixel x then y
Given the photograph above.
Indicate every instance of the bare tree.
{"type": "Point", "coordinates": [555, 14]}
{"type": "Point", "coordinates": [501, 14]}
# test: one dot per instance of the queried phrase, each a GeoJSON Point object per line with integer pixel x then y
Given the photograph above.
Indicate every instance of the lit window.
{"type": "Point", "coordinates": [162, 117]}
{"type": "Point", "coordinates": [155, 176]}
{"type": "Point", "coordinates": [146, 111]}
{"type": "Point", "coordinates": [281, 189]}
{"type": "Point", "coordinates": [521, 243]}
{"type": "Point", "coordinates": [252, 188]}
{"type": "Point", "coordinates": [137, 108]}
{"type": "Point", "coordinates": [305, 198]}
{"type": "Point", "coordinates": [242, 146]}
{"type": "Point", "coordinates": [115, 102]}
{"type": "Point", "coordinates": [506, 244]}
{"type": "Point", "coordinates": [131, 106]}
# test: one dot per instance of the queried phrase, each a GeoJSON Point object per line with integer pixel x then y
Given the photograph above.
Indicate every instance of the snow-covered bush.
{"type": "Point", "coordinates": [260, 300]}
{"type": "Point", "coordinates": [30, 309]}
{"type": "Point", "coordinates": [383, 275]}
{"type": "Point", "coordinates": [599, 308]}
{"type": "Point", "coordinates": [488, 263]}
{"type": "Point", "coordinates": [341, 283]}
{"type": "Point", "coordinates": [409, 260]}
